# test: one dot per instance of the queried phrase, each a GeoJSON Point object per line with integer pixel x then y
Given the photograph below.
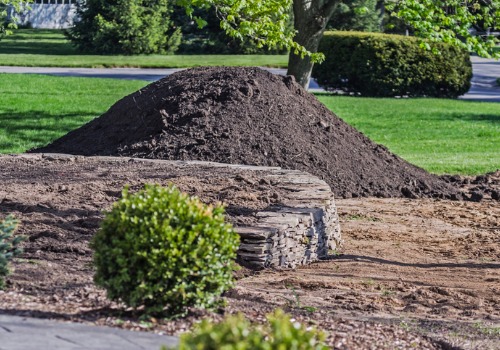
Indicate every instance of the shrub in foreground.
{"type": "Point", "coordinates": [9, 246]}
{"type": "Point", "coordinates": [236, 332]}
{"type": "Point", "coordinates": [165, 251]}
{"type": "Point", "coordinates": [381, 65]}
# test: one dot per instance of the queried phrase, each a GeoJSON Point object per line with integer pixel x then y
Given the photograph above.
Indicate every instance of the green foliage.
{"type": "Point", "coordinates": [265, 22]}
{"type": "Point", "coordinates": [212, 39]}
{"type": "Point", "coordinates": [392, 65]}
{"type": "Point", "coordinates": [7, 24]}
{"type": "Point", "coordinates": [9, 246]}
{"type": "Point", "coordinates": [451, 21]}
{"type": "Point", "coordinates": [125, 26]}
{"type": "Point", "coordinates": [164, 250]}
{"type": "Point", "coordinates": [358, 15]}
{"type": "Point", "coordinates": [235, 332]}
{"type": "Point", "coordinates": [441, 21]}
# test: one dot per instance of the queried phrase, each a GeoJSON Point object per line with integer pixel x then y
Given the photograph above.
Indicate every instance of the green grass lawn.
{"type": "Point", "coordinates": [49, 48]}
{"type": "Point", "coordinates": [442, 136]}
{"type": "Point", "coordinates": [35, 109]}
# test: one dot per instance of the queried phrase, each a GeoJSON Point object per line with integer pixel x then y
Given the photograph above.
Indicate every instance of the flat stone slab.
{"type": "Point", "coordinates": [20, 333]}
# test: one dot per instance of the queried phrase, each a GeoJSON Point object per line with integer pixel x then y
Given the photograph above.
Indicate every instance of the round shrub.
{"type": "Point", "coordinates": [166, 251]}
{"type": "Point", "coordinates": [385, 65]}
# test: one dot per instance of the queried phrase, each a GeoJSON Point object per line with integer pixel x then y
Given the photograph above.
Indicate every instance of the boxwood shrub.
{"type": "Point", "coordinates": [373, 64]}
{"type": "Point", "coordinates": [165, 251]}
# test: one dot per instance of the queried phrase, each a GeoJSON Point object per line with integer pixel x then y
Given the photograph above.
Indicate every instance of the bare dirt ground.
{"type": "Point", "coordinates": [420, 273]}
{"type": "Point", "coordinates": [431, 266]}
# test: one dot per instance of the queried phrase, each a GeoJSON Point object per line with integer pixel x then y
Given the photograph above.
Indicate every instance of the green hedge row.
{"type": "Point", "coordinates": [373, 64]}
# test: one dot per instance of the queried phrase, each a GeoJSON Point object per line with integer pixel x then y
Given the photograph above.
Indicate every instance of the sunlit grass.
{"type": "Point", "coordinates": [439, 135]}
{"type": "Point", "coordinates": [36, 109]}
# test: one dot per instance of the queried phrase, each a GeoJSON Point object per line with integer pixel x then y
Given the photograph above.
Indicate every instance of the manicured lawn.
{"type": "Point", "coordinates": [35, 109]}
{"type": "Point", "coordinates": [441, 136]}
{"type": "Point", "coordinates": [49, 48]}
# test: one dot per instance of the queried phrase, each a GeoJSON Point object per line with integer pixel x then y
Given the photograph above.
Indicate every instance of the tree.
{"type": "Point", "coordinates": [357, 15]}
{"type": "Point", "coordinates": [212, 39]}
{"type": "Point", "coordinates": [265, 20]}
{"type": "Point", "coordinates": [6, 24]}
{"type": "Point", "coordinates": [125, 27]}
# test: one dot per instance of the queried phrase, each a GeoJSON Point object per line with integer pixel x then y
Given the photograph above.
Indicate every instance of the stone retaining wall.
{"type": "Point", "coordinates": [303, 228]}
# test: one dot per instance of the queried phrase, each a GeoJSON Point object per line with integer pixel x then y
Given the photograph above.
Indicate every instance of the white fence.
{"type": "Point", "coordinates": [49, 14]}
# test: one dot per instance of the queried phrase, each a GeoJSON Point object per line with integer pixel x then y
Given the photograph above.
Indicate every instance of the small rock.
{"type": "Point", "coordinates": [264, 181]}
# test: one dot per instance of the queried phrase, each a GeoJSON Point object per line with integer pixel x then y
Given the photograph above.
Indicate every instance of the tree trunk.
{"type": "Point", "coordinates": [310, 20]}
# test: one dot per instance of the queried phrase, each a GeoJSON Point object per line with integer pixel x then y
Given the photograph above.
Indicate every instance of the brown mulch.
{"type": "Point", "coordinates": [59, 203]}
{"type": "Point", "coordinates": [409, 269]}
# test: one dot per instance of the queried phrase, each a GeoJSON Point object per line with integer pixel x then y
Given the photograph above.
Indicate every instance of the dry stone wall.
{"type": "Point", "coordinates": [302, 230]}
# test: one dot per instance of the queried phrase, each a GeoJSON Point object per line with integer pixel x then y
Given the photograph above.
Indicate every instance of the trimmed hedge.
{"type": "Point", "coordinates": [384, 65]}
{"type": "Point", "coordinates": [164, 250]}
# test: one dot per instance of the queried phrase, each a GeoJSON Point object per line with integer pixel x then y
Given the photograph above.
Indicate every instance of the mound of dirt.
{"type": "Point", "coordinates": [249, 116]}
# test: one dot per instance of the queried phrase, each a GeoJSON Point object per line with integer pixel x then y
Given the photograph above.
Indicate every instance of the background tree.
{"type": "Point", "coordinates": [265, 21]}
{"type": "Point", "coordinates": [7, 24]}
{"type": "Point", "coordinates": [357, 15]}
{"type": "Point", "coordinates": [212, 39]}
{"type": "Point", "coordinates": [125, 27]}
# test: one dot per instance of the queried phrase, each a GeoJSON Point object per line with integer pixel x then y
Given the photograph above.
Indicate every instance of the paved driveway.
{"type": "Point", "coordinates": [484, 86]}
{"type": "Point", "coordinates": [20, 333]}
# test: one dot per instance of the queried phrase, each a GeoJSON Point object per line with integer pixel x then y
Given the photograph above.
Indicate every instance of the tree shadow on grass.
{"type": "Point", "coordinates": [37, 48]}
{"type": "Point", "coordinates": [490, 118]}
{"type": "Point", "coordinates": [37, 128]}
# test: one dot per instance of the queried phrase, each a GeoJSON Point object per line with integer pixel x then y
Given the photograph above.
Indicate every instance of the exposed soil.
{"type": "Point", "coordinates": [249, 116]}
{"type": "Point", "coordinates": [421, 273]}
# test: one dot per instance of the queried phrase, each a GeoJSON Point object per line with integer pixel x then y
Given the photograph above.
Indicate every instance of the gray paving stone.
{"type": "Point", "coordinates": [21, 333]}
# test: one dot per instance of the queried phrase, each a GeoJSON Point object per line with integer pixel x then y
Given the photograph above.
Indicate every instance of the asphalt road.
{"type": "Point", "coordinates": [484, 88]}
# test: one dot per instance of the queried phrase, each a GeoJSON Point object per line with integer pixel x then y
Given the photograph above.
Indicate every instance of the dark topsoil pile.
{"type": "Point", "coordinates": [249, 116]}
